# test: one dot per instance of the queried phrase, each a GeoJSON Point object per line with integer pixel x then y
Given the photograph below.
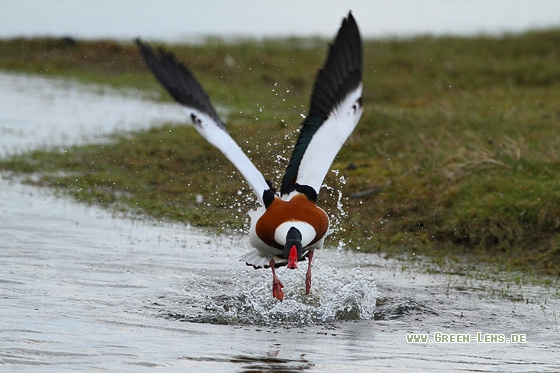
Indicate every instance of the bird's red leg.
{"type": "Point", "coordinates": [308, 275]}
{"type": "Point", "coordinates": [276, 284]}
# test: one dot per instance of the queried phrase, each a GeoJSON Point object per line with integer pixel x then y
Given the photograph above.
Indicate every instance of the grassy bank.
{"type": "Point", "coordinates": [457, 155]}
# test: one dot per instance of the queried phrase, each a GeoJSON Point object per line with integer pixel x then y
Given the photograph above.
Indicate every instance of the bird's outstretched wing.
{"type": "Point", "coordinates": [185, 89]}
{"type": "Point", "coordinates": [336, 107]}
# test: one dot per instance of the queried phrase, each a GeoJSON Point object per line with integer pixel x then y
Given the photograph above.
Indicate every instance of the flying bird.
{"type": "Point", "coordinates": [288, 226]}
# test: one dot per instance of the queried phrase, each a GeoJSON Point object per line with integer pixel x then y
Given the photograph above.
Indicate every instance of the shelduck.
{"type": "Point", "coordinates": [288, 226]}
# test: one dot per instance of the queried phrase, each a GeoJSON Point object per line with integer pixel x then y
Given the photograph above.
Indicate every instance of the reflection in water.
{"type": "Point", "coordinates": [271, 363]}
{"type": "Point", "coordinates": [267, 363]}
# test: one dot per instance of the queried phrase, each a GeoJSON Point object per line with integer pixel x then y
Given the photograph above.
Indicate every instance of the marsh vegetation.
{"type": "Point", "coordinates": [456, 157]}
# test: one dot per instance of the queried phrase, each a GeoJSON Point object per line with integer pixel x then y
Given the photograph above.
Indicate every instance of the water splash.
{"type": "Point", "coordinates": [333, 298]}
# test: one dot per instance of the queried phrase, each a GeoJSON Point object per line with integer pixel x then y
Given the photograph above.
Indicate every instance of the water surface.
{"type": "Point", "coordinates": [43, 112]}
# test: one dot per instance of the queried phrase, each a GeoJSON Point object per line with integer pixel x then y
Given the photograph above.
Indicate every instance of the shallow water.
{"type": "Point", "coordinates": [42, 112]}
{"type": "Point", "coordinates": [82, 289]}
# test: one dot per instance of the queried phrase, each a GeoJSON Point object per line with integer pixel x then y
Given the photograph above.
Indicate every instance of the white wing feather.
{"type": "Point", "coordinates": [328, 140]}
{"type": "Point", "coordinates": [183, 87]}
{"type": "Point", "coordinates": [221, 139]}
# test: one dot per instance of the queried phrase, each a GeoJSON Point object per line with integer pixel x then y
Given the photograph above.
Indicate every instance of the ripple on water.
{"type": "Point", "coordinates": [333, 298]}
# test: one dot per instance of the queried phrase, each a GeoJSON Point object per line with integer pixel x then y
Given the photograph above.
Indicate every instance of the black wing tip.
{"type": "Point", "coordinates": [177, 79]}
{"type": "Point", "coordinates": [351, 21]}
{"type": "Point", "coordinates": [342, 71]}
{"type": "Point", "coordinates": [141, 45]}
{"type": "Point", "coordinates": [349, 27]}
{"type": "Point", "coordinates": [340, 75]}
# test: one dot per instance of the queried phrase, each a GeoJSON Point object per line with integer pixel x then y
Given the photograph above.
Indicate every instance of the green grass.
{"type": "Point", "coordinates": [456, 157]}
